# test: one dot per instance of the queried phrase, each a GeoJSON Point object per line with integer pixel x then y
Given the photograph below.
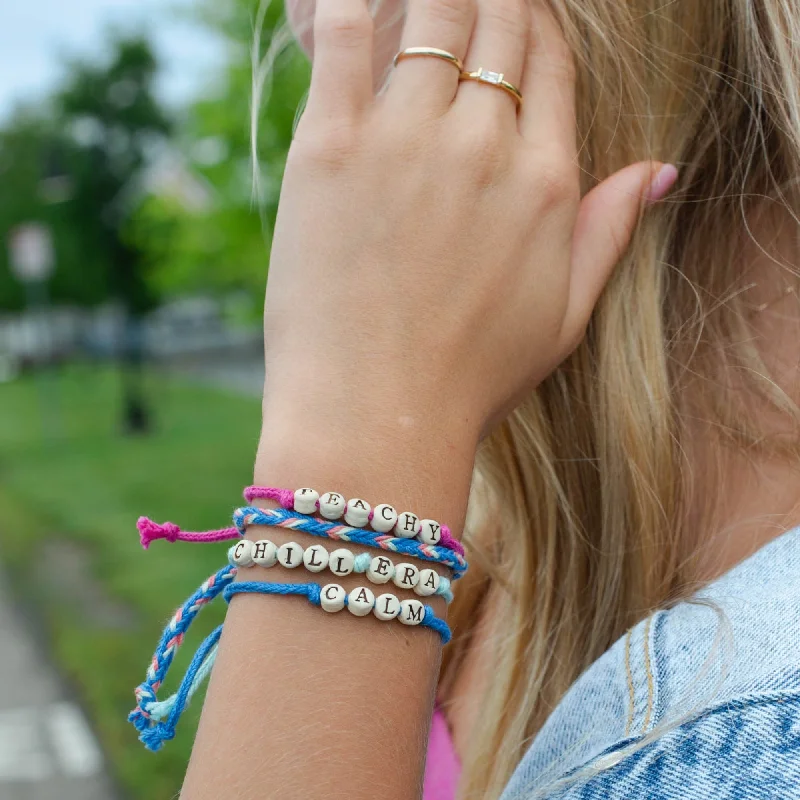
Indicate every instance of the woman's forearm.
{"type": "Point", "coordinates": [304, 704]}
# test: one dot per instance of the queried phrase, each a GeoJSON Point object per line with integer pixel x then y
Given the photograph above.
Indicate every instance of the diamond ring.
{"type": "Point", "coordinates": [497, 79]}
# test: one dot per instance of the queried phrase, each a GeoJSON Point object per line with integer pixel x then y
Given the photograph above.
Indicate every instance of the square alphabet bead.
{"type": "Point", "coordinates": [265, 554]}
{"type": "Point", "coordinates": [387, 607]}
{"type": "Point", "coordinates": [360, 601]}
{"type": "Point", "coordinates": [411, 612]}
{"type": "Point", "coordinates": [290, 555]}
{"type": "Point", "coordinates": [428, 583]}
{"type": "Point", "coordinates": [384, 518]}
{"type": "Point", "coordinates": [381, 570]}
{"type": "Point", "coordinates": [305, 501]}
{"type": "Point", "coordinates": [331, 505]}
{"type": "Point", "coordinates": [341, 562]}
{"type": "Point", "coordinates": [357, 514]}
{"type": "Point", "coordinates": [315, 558]}
{"type": "Point", "coordinates": [243, 553]}
{"type": "Point", "coordinates": [331, 597]}
{"type": "Point", "coordinates": [406, 576]}
{"type": "Point", "coordinates": [407, 525]}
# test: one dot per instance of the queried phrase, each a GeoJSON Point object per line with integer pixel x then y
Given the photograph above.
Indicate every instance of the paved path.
{"type": "Point", "coordinates": [47, 750]}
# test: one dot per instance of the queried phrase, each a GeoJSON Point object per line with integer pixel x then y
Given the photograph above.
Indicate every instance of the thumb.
{"type": "Point", "coordinates": [606, 220]}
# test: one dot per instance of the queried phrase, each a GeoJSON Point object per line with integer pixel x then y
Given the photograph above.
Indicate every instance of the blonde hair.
{"type": "Point", "coordinates": [583, 519]}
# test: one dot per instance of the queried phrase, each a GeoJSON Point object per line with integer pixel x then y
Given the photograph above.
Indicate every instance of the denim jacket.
{"type": "Point", "coordinates": [698, 701]}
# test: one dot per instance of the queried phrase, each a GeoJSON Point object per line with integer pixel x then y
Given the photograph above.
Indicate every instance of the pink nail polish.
{"type": "Point", "coordinates": [662, 182]}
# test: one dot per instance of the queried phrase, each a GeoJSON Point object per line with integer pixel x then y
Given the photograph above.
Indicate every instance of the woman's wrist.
{"type": "Point", "coordinates": [418, 461]}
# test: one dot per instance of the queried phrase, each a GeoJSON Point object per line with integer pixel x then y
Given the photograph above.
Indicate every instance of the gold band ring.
{"type": "Point", "coordinates": [434, 52]}
{"type": "Point", "coordinates": [482, 75]}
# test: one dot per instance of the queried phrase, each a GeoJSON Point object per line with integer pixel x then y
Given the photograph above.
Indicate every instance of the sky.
{"type": "Point", "coordinates": [36, 36]}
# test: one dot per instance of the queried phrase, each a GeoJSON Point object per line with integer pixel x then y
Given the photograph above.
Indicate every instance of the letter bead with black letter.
{"type": "Point", "coordinates": [428, 583]}
{"type": "Point", "coordinates": [341, 562]}
{"type": "Point", "coordinates": [381, 569]}
{"type": "Point", "coordinates": [357, 514]}
{"type": "Point", "coordinates": [315, 558]}
{"type": "Point", "coordinates": [407, 525]}
{"type": "Point", "coordinates": [411, 612]}
{"type": "Point", "coordinates": [387, 607]}
{"type": "Point", "coordinates": [430, 531]}
{"type": "Point", "coordinates": [265, 554]}
{"type": "Point", "coordinates": [305, 501]}
{"type": "Point", "coordinates": [243, 553]}
{"type": "Point", "coordinates": [290, 555]}
{"type": "Point", "coordinates": [331, 597]}
{"type": "Point", "coordinates": [406, 576]}
{"type": "Point", "coordinates": [384, 518]}
{"type": "Point", "coordinates": [360, 601]}
{"type": "Point", "coordinates": [331, 505]}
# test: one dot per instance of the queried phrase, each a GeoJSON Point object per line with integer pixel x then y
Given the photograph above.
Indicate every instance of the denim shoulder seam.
{"type": "Point", "coordinates": [742, 704]}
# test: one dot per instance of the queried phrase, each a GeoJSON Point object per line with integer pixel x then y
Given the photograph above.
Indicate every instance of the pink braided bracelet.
{"type": "Point", "coordinates": [358, 513]}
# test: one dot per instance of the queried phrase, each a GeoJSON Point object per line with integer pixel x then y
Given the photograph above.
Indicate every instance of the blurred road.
{"type": "Point", "coordinates": [47, 750]}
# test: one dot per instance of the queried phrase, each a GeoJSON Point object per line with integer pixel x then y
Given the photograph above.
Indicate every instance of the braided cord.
{"type": "Point", "coordinates": [313, 591]}
{"type": "Point", "coordinates": [283, 518]}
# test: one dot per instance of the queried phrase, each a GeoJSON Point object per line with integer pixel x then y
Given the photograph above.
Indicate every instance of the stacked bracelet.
{"type": "Point", "coordinates": [360, 602]}
{"type": "Point", "coordinates": [358, 513]}
{"type": "Point", "coordinates": [282, 518]}
{"type": "Point", "coordinates": [379, 569]}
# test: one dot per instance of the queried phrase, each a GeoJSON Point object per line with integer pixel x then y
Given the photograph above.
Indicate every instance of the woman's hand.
{"type": "Point", "coordinates": [432, 256]}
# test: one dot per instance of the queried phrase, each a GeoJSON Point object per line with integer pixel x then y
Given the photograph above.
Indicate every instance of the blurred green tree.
{"type": "Point", "coordinates": [223, 244]}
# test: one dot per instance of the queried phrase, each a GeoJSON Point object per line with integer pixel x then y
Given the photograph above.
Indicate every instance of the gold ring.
{"type": "Point", "coordinates": [482, 75]}
{"type": "Point", "coordinates": [434, 52]}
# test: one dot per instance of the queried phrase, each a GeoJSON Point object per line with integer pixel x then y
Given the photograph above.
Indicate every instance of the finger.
{"type": "Point", "coordinates": [427, 81]}
{"type": "Point", "coordinates": [548, 85]}
{"type": "Point", "coordinates": [498, 46]}
{"type": "Point", "coordinates": [341, 77]}
{"type": "Point", "coordinates": [606, 220]}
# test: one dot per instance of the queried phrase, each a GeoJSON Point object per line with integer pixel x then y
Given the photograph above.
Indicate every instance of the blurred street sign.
{"type": "Point", "coordinates": [30, 249]}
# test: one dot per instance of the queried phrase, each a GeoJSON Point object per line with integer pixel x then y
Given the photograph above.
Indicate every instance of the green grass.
{"type": "Point", "coordinates": [86, 486]}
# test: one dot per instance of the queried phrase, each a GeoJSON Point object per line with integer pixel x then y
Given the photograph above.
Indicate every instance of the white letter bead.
{"type": "Point", "coordinates": [430, 531]}
{"type": "Point", "coordinates": [341, 562]}
{"type": "Point", "coordinates": [315, 558]}
{"type": "Point", "coordinates": [428, 582]}
{"type": "Point", "coordinates": [411, 612]}
{"type": "Point", "coordinates": [381, 569]}
{"type": "Point", "coordinates": [265, 554]}
{"type": "Point", "coordinates": [243, 553]}
{"type": "Point", "coordinates": [305, 501]}
{"type": "Point", "coordinates": [383, 518]}
{"type": "Point", "coordinates": [406, 576]}
{"type": "Point", "coordinates": [331, 505]}
{"type": "Point", "coordinates": [290, 555]}
{"type": "Point", "coordinates": [360, 601]}
{"type": "Point", "coordinates": [407, 525]}
{"type": "Point", "coordinates": [331, 597]}
{"type": "Point", "coordinates": [357, 514]}
{"type": "Point", "coordinates": [387, 607]}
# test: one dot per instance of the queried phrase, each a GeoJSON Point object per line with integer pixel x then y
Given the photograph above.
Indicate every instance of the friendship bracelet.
{"type": "Point", "coordinates": [378, 569]}
{"type": "Point", "coordinates": [156, 720]}
{"type": "Point", "coordinates": [282, 518]}
{"type": "Point", "coordinates": [358, 513]}
{"type": "Point", "coordinates": [360, 602]}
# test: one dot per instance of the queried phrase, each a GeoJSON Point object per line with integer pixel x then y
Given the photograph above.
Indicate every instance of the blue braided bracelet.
{"type": "Point", "coordinates": [281, 518]}
{"type": "Point", "coordinates": [313, 592]}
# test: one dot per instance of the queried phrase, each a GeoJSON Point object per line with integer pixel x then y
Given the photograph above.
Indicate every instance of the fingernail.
{"type": "Point", "coordinates": [661, 183]}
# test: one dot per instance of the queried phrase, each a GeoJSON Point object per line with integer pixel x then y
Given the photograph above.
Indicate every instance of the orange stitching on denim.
{"type": "Point", "coordinates": [649, 671]}
{"type": "Point", "coordinates": [631, 692]}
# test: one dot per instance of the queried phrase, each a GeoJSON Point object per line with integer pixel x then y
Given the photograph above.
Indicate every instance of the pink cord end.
{"type": "Point", "coordinates": [285, 497]}
{"type": "Point", "coordinates": [451, 543]}
{"type": "Point", "coordinates": [150, 531]}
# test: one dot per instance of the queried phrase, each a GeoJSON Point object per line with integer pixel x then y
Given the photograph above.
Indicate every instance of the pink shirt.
{"type": "Point", "coordinates": [442, 768]}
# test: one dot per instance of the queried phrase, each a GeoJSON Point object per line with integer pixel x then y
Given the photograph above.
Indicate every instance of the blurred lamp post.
{"type": "Point", "coordinates": [32, 260]}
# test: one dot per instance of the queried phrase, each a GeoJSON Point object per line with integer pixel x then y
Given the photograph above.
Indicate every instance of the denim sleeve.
{"type": "Point", "coordinates": [741, 750]}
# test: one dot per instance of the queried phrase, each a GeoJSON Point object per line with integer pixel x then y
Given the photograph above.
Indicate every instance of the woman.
{"type": "Point", "coordinates": [457, 279]}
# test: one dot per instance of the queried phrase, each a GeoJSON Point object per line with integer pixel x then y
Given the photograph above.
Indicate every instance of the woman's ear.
{"type": "Point", "coordinates": [389, 20]}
